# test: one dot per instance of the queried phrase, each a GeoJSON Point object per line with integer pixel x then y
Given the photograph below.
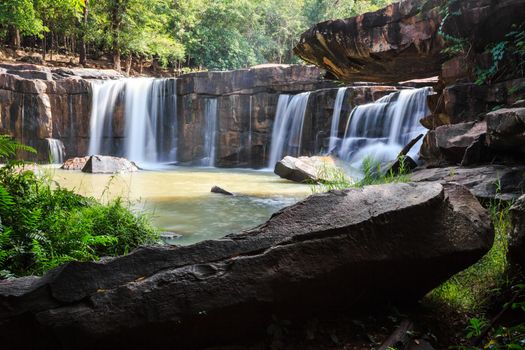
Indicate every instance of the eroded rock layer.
{"type": "Point", "coordinates": [356, 247]}
{"type": "Point", "coordinates": [394, 44]}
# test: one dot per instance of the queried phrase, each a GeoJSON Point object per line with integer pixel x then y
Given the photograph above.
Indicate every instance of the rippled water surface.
{"type": "Point", "coordinates": [180, 201]}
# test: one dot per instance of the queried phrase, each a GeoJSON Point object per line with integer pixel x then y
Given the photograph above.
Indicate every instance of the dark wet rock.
{"type": "Point", "coordinates": [453, 140]}
{"type": "Point", "coordinates": [477, 152]}
{"type": "Point", "coordinates": [517, 233]}
{"type": "Point", "coordinates": [485, 181]}
{"type": "Point", "coordinates": [354, 248]}
{"type": "Point", "coordinates": [219, 190]}
{"type": "Point", "coordinates": [303, 169]}
{"type": "Point", "coordinates": [108, 165]}
{"type": "Point", "coordinates": [506, 130]}
{"type": "Point", "coordinates": [76, 163]}
{"type": "Point", "coordinates": [401, 165]}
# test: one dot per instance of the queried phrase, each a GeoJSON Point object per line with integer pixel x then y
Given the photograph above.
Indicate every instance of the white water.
{"type": "Point", "coordinates": [56, 151]}
{"type": "Point", "coordinates": [380, 130]}
{"type": "Point", "coordinates": [336, 117]}
{"type": "Point", "coordinates": [287, 131]}
{"type": "Point", "coordinates": [104, 96]}
{"type": "Point", "coordinates": [150, 119]}
{"type": "Point", "coordinates": [210, 132]}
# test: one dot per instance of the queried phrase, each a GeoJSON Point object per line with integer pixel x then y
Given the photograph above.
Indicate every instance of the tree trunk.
{"type": "Point", "coordinates": [116, 22]}
{"type": "Point", "coordinates": [83, 51]}
{"type": "Point", "coordinates": [52, 44]}
{"type": "Point", "coordinates": [15, 37]}
{"type": "Point", "coordinates": [44, 48]}
{"type": "Point", "coordinates": [128, 64]}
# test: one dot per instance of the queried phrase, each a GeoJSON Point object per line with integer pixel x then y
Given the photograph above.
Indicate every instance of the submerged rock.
{"type": "Point", "coordinates": [333, 250]}
{"type": "Point", "coordinates": [304, 169]}
{"type": "Point", "coordinates": [108, 165]}
{"type": "Point", "coordinates": [76, 163]}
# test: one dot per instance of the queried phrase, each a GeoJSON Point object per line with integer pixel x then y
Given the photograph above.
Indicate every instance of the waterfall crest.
{"type": "Point", "coordinates": [336, 117]}
{"type": "Point", "coordinates": [381, 129]}
{"type": "Point", "coordinates": [210, 132]}
{"type": "Point", "coordinates": [56, 151]}
{"type": "Point", "coordinates": [150, 119]}
{"type": "Point", "coordinates": [287, 131]}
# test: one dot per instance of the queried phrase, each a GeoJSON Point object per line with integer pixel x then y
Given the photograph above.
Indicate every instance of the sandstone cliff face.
{"type": "Point", "coordinates": [38, 103]}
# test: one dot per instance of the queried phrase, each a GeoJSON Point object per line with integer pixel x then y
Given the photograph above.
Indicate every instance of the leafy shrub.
{"type": "Point", "coordinates": [42, 227]}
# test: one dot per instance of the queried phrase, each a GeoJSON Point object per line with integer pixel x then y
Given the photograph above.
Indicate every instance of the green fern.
{"type": "Point", "coordinates": [9, 147]}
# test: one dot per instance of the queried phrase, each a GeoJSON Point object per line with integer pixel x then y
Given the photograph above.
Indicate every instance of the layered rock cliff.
{"type": "Point", "coordinates": [37, 103]}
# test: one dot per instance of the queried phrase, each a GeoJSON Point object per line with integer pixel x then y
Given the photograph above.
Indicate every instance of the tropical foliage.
{"type": "Point", "coordinates": [212, 34]}
{"type": "Point", "coordinates": [43, 226]}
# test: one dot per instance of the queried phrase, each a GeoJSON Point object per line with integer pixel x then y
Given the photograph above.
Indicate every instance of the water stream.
{"type": "Point", "coordinates": [180, 201]}
{"type": "Point", "coordinates": [287, 131]}
{"type": "Point", "coordinates": [149, 115]}
{"type": "Point", "coordinates": [381, 129]}
{"type": "Point", "coordinates": [336, 117]}
{"type": "Point", "coordinates": [56, 151]}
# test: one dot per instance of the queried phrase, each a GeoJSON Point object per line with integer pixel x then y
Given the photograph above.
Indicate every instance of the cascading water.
{"type": "Point", "coordinates": [287, 131]}
{"type": "Point", "coordinates": [56, 151]}
{"type": "Point", "coordinates": [210, 132]}
{"type": "Point", "coordinates": [380, 130]}
{"type": "Point", "coordinates": [336, 117]}
{"type": "Point", "coordinates": [150, 119]}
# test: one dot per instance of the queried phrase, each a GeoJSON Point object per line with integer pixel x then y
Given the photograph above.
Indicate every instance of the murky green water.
{"type": "Point", "coordinates": [180, 201]}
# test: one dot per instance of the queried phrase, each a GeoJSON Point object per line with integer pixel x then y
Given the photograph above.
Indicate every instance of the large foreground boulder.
{"type": "Point", "coordinates": [346, 248]}
{"type": "Point", "coordinates": [108, 165]}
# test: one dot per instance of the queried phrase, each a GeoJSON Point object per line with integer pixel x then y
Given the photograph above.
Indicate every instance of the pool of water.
{"type": "Point", "coordinates": [179, 199]}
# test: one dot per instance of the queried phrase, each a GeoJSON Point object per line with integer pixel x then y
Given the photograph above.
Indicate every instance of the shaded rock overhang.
{"type": "Point", "coordinates": [397, 43]}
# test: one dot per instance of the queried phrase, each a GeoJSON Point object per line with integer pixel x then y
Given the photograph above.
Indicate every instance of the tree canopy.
{"type": "Point", "coordinates": [209, 34]}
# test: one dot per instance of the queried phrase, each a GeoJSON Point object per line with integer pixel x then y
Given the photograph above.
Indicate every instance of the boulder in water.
{"type": "Point", "coordinates": [108, 165]}
{"type": "Point", "coordinates": [76, 163]}
{"type": "Point", "coordinates": [303, 169]}
{"type": "Point", "coordinates": [333, 250]}
{"type": "Point", "coordinates": [219, 190]}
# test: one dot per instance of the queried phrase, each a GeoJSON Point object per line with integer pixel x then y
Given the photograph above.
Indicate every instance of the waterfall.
{"type": "Point", "coordinates": [104, 96]}
{"type": "Point", "coordinates": [56, 151]}
{"type": "Point", "coordinates": [336, 117]}
{"type": "Point", "coordinates": [287, 131]}
{"type": "Point", "coordinates": [380, 130]}
{"type": "Point", "coordinates": [210, 132]}
{"type": "Point", "coordinates": [150, 119]}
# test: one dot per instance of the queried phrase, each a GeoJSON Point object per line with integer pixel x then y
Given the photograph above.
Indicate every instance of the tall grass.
{"type": "Point", "coordinates": [471, 290]}
{"type": "Point", "coordinates": [333, 177]}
